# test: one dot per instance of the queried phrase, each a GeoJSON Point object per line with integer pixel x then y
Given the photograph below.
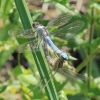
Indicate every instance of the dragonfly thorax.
{"type": "Point", "coordinates": [41, 30]}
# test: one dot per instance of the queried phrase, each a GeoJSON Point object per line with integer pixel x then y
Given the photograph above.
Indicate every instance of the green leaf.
{"type": "Point", "coordinates": [77, 97]}
{"type": "Point", "coordinates": [95, 5]}
{"type": "Point", "coordinates": [95, 43]}
{"type": "Point", "coordinates": [6, 5]}
{"type": "Point", "coordinates": [14, 16]}
{"type": "Point", "coordinates": [62, 96]}
{"type": "Point", "coordinates": [4, 32]}
{"type": "Point", "coordinates": [3, 88]}
{"type": "Point", "coordinates": [2, 98]}
{"type": "Point", "coordinates": [63, 2]}
{"type": "Point", "coordinates": [17, 70]}
{"type": "Point", "coordinates": [27, 79]}
{"type": "Point", "coordinates": [94, 92]}
{"type": "Point", "coordinates": [5, 54]}
{"type": "Point", "coordinates": [6, 49]}
{"type": "Point", "coordinates": [36, 15]}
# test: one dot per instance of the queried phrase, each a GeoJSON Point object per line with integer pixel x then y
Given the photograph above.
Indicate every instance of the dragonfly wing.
{"type": "Point", "coordinates": [29, 33]}
{"type": "Point", "coordinates": [72, 74]}
{"type": "Point", "coordinates": [69, 31]}
{"type": "Point", "coordinates": [28, 46]}
{"type": "Point", "coordinates": [60, 20]}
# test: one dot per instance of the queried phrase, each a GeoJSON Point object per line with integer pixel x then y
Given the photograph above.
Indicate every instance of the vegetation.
{"type": "Point", "coordinates": [19, 73]}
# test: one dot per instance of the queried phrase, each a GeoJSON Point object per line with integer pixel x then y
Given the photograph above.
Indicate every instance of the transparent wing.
{"type": "Point", "coordinates": [28, 46]}
{"type": "Point", "coordinates": [69, 31]}
{"type": "Point", "coordinates": [29, 33]}
{"type": "Point", "coordinates": [60, 20]}
{"type": "Point", "coordinates": [72, 74]}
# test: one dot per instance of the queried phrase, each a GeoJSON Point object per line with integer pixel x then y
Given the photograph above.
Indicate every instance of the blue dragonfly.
{"type": "Point", "coordinates": [68, 31]}
{"type": "Point", "coordinates": [61, 30]}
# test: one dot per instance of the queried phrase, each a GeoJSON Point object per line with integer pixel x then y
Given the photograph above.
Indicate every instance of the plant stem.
{"type": "Point", "coordinates": [89, 67]}
{"type": "Point", "coordinates": [88, 58]}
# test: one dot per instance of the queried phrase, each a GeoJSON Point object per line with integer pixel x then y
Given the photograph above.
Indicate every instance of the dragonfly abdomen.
{"type": "Point", "coordinates": [54, 48]}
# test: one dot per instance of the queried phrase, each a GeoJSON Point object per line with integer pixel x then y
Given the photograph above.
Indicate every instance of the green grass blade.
{"type": "Point", "coordinates": [38, 57]}
{"type": "Point", "coordinates": [89, 57]}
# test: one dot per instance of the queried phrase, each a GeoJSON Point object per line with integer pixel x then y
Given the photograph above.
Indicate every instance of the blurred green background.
{"type": "Point", "coordinates": [18, 72]}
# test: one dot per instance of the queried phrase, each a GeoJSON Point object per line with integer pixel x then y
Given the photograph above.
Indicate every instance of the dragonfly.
{"type": "Point", "coordinates": [62, 30]}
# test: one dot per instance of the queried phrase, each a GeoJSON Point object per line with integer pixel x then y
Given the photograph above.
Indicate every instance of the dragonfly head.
{"type": "Point", "coordinates": [35, 24]}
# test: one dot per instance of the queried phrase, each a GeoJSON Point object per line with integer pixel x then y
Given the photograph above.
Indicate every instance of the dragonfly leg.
{"type": "Point", "coordinates": [50, 73]}
{"type": "Point", "coordinates": [59, 62]}
{"type": "Point", "coordinates": [48, 81]}
{"type": "Point", "coordinates": [57, 55]}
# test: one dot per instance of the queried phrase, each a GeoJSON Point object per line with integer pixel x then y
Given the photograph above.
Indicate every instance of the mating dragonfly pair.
{"type": "Point", "coordinates": [62, 29]}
